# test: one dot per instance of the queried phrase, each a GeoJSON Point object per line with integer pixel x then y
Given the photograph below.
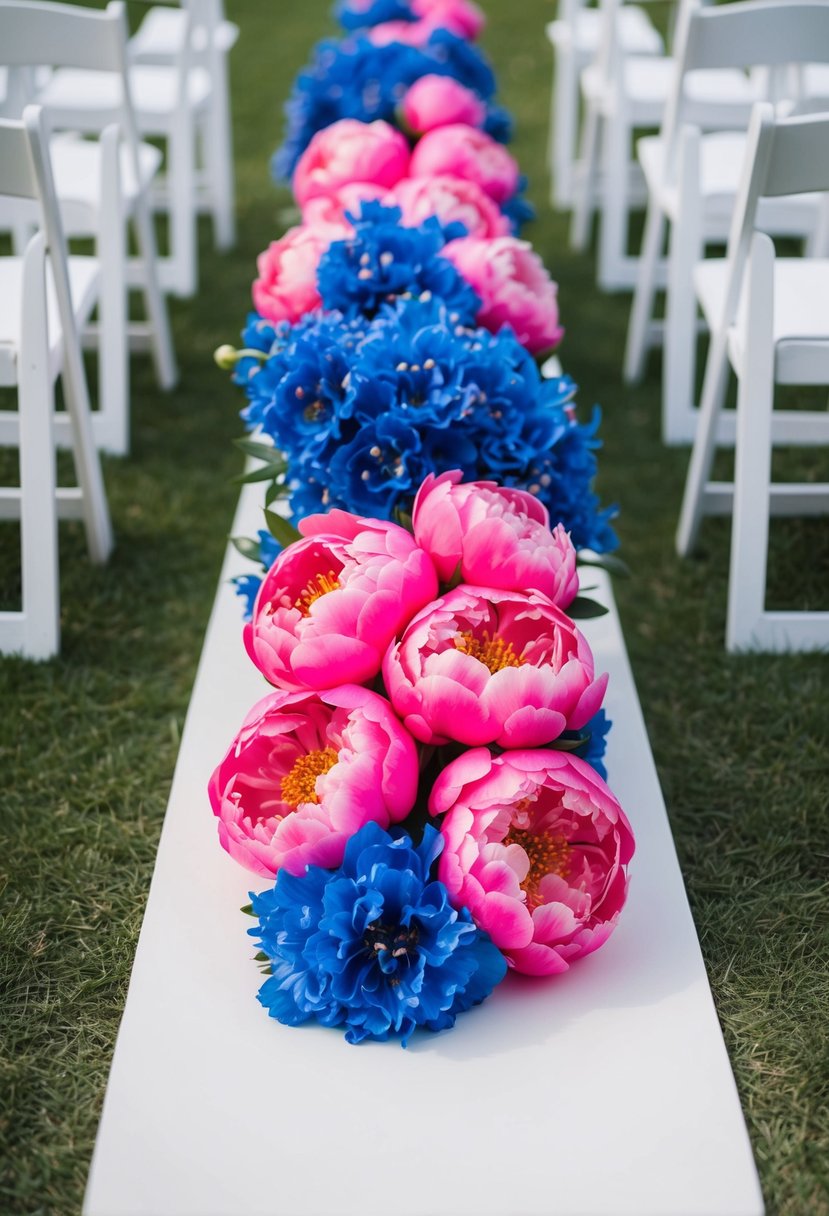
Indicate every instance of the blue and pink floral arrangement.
{"type": "Point", "coordinates": [424, 786]}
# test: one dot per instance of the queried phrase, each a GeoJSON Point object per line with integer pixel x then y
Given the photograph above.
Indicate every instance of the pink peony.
{"type": "Point", "coordinates": [332, 602]}
{"type": "Point", "coordinates": [482, 665]}
{"type": "Point", "coordinates": [452, 200]}
{"type": "Point", "coordinates": [514, 287]}
{"type": "Point", "coordinates": [350, 151]}
{"type": "Point", "coordinates": [465, 152]}
{"type": "Point", "coordinates": [459, 17]}
{"type": "Point", "coordinates": [500, 537]}
{"type": "Point", "coordinates": [437, 101]}
{"type": "Point", "coordinates": [331, 209]}
{"type": "Point", "coordinates": [305, 772]}
{"type": "Point", "coordinates": [287, 283]}
{"type": "Point", "coordinates": [536, 846]}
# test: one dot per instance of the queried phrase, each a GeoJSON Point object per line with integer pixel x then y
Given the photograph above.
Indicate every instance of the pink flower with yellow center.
{"type": "Point", "coordinates": [308, 770]}
{"type": "Point", "coordinates": [332, 602]}
{"type": "Point", "coordinates": [496, 536]}
{"type": "Point", "coordinates": [536, 848]}
{"type": "Point", "coordinates": [482, 665]}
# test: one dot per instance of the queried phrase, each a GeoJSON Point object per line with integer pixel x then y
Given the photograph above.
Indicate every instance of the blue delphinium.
{"type": "Point", "coordinates": [593, 750]}
{"type": "Point", "coordinates": [353, 78]}
{"type": "Point", "coordinates": [383, 260]}
{"type": "Point", "coordinates": [374, 946]}
{"type": "Point", "coordinates": [365, 408]}
{"type": "Point", "coordinates": [360, 17]}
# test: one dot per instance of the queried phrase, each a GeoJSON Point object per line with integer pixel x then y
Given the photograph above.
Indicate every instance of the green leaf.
{"type": "Point", "coordinates": [583, 609]}
{"type": "Point", "coordinates": [403, 518]}
{"type": "Point", "coordinates": [247, 909]}
{"type": "Point", "coordinates": [260, 451]}
{"type": "Point", "coordinates": [278, 489]}
{"type": "Point", "coordinates": [268, 472]}
{"type": "Point", "coordinates": [282, 529]}
{"type": "Point", "coordinates": [261, 957]}
{"type": "Point", "coordinates": [568, 745]}
{"type": "Point", "coordinates": [247, 547]}
{"type": "Point", "coordinates": [605, 561]}
{"type": "Point", "coordinates": [455, 580]}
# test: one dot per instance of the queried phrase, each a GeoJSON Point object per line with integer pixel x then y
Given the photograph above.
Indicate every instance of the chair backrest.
{"type": "Point", "coordinates": [783, 156]}
{"type": "Point", "coordinates": [774, 34]}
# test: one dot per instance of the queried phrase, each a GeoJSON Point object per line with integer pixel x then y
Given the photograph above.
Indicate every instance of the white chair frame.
{"type": "Point", "coordinates": [694, 203]}
{"type": "Point", "coordinates": [32, 362]}
{"type": "Point", "coordinates": [750, 331]}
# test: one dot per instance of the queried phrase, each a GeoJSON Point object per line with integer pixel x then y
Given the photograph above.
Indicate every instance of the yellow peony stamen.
{"type": "Point", "coordinates": [546, 854]}
{"type": "Point", "coordinates": [299, 785]}
{"type": "Point", "coordinates": [493, 652]}
{"type": "Point", "coordinates": [317, 586]}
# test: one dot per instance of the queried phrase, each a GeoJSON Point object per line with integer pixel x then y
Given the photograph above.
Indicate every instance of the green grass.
{"type": "Point", "coordinates": [89, 741]}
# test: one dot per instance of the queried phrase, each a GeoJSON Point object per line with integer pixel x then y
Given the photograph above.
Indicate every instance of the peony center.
{"type": "Point", "coordinates": [493, 652]}
{"type": "Point", "coordinates": [299, 785]}
{"type": "Point", "coordinates": [547, 854]}
{"type": "Point", "coordinates": [317, 586]}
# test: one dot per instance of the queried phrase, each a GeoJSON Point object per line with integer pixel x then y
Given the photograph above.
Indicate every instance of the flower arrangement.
{"type": "Point", "coordinates": [423, 787]}
{"type": "Point", "coordinates": [413, 786]}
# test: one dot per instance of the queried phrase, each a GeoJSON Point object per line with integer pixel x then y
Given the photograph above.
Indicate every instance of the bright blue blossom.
{"type": "Point", "coordinates": [593, 750]}
{"type": "Point", "coordinates": [374, 946]}
{"type": "Point", "coordinates": [383, 260]}
{"type": "Point", "coordinates": [376, 13]}
{"type": "Point", "coordinates": [352, 78]}
{"type": "Point", "coordinates": [365, 408]}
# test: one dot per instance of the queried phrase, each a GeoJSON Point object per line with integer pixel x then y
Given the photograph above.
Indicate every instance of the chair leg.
{"type": "Point", "coordinates": [219, 156]}
{"type": "Point", "coordinates": [164, 355]}
{"type": "Point", "coordinates": [686, 248]}
{"type": "Point", "coordinates": [563, 121]}
{"type": "Point", "coordinates": [584, 185]}
{"type": "Point", "coordinates": [181, 180]}
{"type": "Point", "coordinates": [752, 457]}
{"type": "Point", "coordinates": [38, 502]}
{"type": "Point", "coordinates": [702, 454]}
{"type": "Point", "coordinates": [642, 308]}
{"type": "Point", "coordinates": [112, 420]}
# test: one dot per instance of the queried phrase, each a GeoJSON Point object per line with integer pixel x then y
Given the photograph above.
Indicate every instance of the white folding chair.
{"type": "Point", "coordinates": [44, 298]}
{"type": "Point", "coordinates": [624, 93]}
{"type": "Point", "coordinates": [158, 40]}
{"type": "Point", "coordinates": [692, 180]}
{"type": "Point", "coordinates": [171, 102]}
{"type": "Point", "coordinates": [102, 187]}
{"type": "Point", "coordinates": [769, 320]}
{"type": "Point", "coordinates": [574, 37]}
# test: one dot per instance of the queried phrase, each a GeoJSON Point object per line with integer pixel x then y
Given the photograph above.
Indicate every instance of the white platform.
{"type": "Point", "coordinates": [605, 1091]}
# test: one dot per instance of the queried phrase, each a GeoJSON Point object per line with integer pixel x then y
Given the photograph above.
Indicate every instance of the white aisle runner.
{"type": "Point", "coordinates": [605, 1091]}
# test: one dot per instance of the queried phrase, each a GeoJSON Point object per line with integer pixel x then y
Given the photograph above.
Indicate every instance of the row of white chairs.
{"type": "Point", "coordinates": [712, 176]}
{"type": "Point", "coordinates": [87, 94]}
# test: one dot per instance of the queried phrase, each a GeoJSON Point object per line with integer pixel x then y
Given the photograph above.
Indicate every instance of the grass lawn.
{"type": "Point", "coordinates": [89, 741]}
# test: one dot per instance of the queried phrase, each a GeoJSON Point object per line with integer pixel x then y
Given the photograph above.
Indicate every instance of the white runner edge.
{"type": "Point", "coordinates": [605, 1091]}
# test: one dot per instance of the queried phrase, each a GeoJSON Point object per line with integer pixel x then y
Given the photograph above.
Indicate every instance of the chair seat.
{"type": "Point", "coordinates": [76, 168]}
{"type": "Point", "coordinates": [801, 319]}
{"type": "Point", "coordinates": [83, 282]}
{"type": "Point", "coordinates": [161, 34]}
{"type": "Point", "coordinates": [637, 35]}
{"type": "Point", "coordinates": [720, 98]}
{"type": "Point", "coordinates": [96, 96]}
{"type": "Point", "coordinates": [721, 156]}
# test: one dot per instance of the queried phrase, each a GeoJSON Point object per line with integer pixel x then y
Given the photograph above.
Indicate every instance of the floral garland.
{"type": "Point", "coordinates": [425, 785]}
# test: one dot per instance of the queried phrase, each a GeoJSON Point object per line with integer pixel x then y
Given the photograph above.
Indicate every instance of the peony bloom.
{"type": "Point", "coordinates": [465, 152]}
{"type": "Point", "coordinates": [286, 286]}
{"type": "Point", "coordinates": [452, 200]}
{"type": "Point", "coordinates": [536, 848]}
{"type": "Point", "coordinates": [332, 602]}
{"type": "Point", "coordinates": [500, 537]}
{"type": "Point", "coordinates": [350, 151]}
{"type": "Point", "coordinates": [331, 209]}
{"type": "Point", "coordinates": [374, 946]}
{"type": "Point", "coordinates": [514, 287]}
{"type": "Point", "coordinates": [305, 772]}
{"type": "Point", "coordinates": [437, 101]}
{"type": "Point", "coordinates": [487, 666]}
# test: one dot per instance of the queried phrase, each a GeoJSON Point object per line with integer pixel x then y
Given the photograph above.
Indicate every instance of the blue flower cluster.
{"type": "Point", "coordinates": [377, 12]}
{"type": "Point", "coordinates": [374, 946]}
{"type": "Point", "coordinates": [352, 78]}
{"type": "Point", "coordinates": [365, 407]}
{"type": "Point", "coordinates": [382, 261]}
